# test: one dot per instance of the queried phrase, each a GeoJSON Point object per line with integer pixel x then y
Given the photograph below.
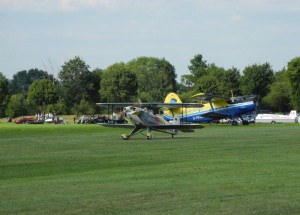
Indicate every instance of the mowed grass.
{"type": "Point", "coordinates": [88, 169]}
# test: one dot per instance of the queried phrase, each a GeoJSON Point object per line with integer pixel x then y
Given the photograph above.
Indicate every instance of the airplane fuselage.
{"type": "Point", "coordinates": [197, 115]}
{"type": "Point", "coordinates": [147, 119]}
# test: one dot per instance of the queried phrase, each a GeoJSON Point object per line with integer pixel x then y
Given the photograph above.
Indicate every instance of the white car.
{"type": "Point", "coordinates": [277, 118]}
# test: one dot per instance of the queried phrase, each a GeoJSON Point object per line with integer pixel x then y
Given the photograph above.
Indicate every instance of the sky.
{"type": "Point", "coordinates": [45, 34]}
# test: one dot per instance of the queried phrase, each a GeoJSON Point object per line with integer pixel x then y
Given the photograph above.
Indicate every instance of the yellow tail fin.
{"type": "Point", "coordinates": [170, 113]}
{"type": "Point", "coordinates": [172, 98]}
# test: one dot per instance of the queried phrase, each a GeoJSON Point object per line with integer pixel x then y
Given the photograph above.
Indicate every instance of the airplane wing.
{"type": "Point", "coordinates": [175, 105]}
{"type": "Point", "coordinates": [115, 104]}
{"type": "Point", "coordinates": [152, 104]}
{"type": "Point", "coordinates": [215, 115]}
{"type": "Point", "coordinates": [207, 97]}
{"type": "Point", "coordinates": [181, 127]}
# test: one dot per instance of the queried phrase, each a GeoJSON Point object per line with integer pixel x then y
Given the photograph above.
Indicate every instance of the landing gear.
{"type": "Point", "coordinates": [149, 134]}
{"type": "Point", "coordinates": [234, 123]}
{"type": "Point", "coordinates": [125, 137]}
{"type": "Point", "coordinates": [245, 122]}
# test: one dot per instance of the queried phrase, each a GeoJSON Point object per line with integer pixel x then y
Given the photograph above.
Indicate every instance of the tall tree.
{"type": "Point", "coordinates": [75, 82]}
{"type": "Point", "coordinates": [3, 94]}
{"type": "Point", "coordinates": [16, 106]}
{"type": "Point", "coordinates": [257, 80]}
{"type": "Point", "coordinates": [118, 84]}
{"type": "Point", "coordinates": [42, 93]}
{"type": "Point", "coordinates": [95, 79]}
{"type": "Point", "coordinates": [294, 76]}
{"type": "Point", "coordinates": [23, 79]}
{"type": "Point", "coordinates": [211, 81]}
{"type": "Point", "coordinates": [219, 81]}
{"type": "Point", "coordinates": [186, 83]}
{"type": "Point", "coordinates": [231, 81]}
{"type": "Point", "coordinates": [198, 67]}
{"type": "Point", "coordinates": [156, 78]}
{"type": "Point", "coordinates": [279, 97]}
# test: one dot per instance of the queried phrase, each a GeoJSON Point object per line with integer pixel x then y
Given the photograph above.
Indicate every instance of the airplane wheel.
{"type": "Point", "coordinates": [234, 123]}
{"type": "Point", "coordinates": [125, 137]}
{"type": "Point", "coordinates": [245, 123]}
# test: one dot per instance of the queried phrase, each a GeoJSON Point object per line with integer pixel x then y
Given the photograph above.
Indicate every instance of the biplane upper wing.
{"type": "Point", "coordinates": [207, 97]}
{"type": "Point", "coordinates": [115, 104]}
{"type": "Point", "coordinates": [151, 104]}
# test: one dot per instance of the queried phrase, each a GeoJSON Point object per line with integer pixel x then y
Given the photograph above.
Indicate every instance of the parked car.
{"type": "Point", "coordinates": [25, 120]}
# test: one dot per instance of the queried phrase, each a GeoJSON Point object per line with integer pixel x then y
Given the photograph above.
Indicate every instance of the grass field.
{"type": "Point", "coordinates": [87, 169]}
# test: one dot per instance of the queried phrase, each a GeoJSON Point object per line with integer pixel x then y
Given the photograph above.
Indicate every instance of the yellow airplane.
{"type": "Point", "coordinates": [214, 108]}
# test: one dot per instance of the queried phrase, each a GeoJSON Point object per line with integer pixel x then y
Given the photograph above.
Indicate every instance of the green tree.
{"type": "Point", "coordinates": [279, 97]}
{"type": "Point", "coordinates": [76, 82]}
{"type": "Point", "coordinates": [198, 67]}
{"type": "Point", "coordinates": [231, 82]}
{"type": "Point", "coordinates": [42, 93]}
{"type": "Point", "coordinates": [16, 106]}
{"type": "Point", "coordinates": [219, 81]}
{"type": "Point", "coordinates": [118, 84]}
{"type": "Point", "coordinates": [95, 79]}
{"type": "Point", "coordinates": [186, 83]}
{"type": "Point", "coordinates": [86, 107]}
{"type": "Point", "coordinates": [257, 80]}
{"type": "Point", "coordinates": [3, 94]}
{"type": "Point", "coordinates": [155, 77]}
{"type": "Point", "coordinates": [210, 78]}
{"type": "Point", "coordinates": [23, 79]}
{"type": "Point", "coordinates": [294, 77]}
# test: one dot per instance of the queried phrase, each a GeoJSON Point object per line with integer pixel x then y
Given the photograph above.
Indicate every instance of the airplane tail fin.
{"type": "Point", "coordinates": [169, 113]}
{"type": "Point", "coordinates": [172, 98]}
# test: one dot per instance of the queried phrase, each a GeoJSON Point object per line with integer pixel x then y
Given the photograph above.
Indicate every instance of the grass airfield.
{"type": "Point", "coordinates": [88, 169]}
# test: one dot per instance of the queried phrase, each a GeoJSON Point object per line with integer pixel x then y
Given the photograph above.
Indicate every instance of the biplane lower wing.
{"type": "Point", "coordinates": [155, 127]}
{"type": "Point", "coordinates": [215, 115]}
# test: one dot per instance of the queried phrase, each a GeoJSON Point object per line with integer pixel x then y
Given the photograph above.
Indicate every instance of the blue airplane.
{"type": "Point", "coordinates": [214, 108]}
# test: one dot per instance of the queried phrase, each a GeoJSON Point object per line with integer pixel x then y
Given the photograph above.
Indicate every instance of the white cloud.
{"type": "Point", "coordinates": [248, 4]}
{"type": "Point", "coordinates": [75, 5]}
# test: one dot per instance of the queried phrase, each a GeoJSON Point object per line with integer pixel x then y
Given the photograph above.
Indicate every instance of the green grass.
{"type": "Point", "coordinates": [87, 169]}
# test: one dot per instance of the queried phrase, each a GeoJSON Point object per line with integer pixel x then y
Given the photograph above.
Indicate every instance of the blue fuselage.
{"type": "Point", "coordinates": [197, 115]}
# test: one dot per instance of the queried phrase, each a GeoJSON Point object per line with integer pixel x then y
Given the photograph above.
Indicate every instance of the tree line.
{"type": "Point", "coordinates": [146, 79]}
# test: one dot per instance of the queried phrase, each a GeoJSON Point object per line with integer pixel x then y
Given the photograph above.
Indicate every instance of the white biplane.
{"type": "Point", "coordinates": [144, 119]}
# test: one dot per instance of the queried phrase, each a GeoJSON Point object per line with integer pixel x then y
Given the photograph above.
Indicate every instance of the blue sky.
{"type": "Point", "coordinates": [44, 34]}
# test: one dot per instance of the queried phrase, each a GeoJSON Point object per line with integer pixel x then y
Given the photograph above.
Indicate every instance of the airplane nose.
{"type": "Point", "coordinates": [126, 109]}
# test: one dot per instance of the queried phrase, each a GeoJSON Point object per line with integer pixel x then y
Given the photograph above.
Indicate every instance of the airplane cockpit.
{"type": "Point", "coordinates": [235, 100]}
